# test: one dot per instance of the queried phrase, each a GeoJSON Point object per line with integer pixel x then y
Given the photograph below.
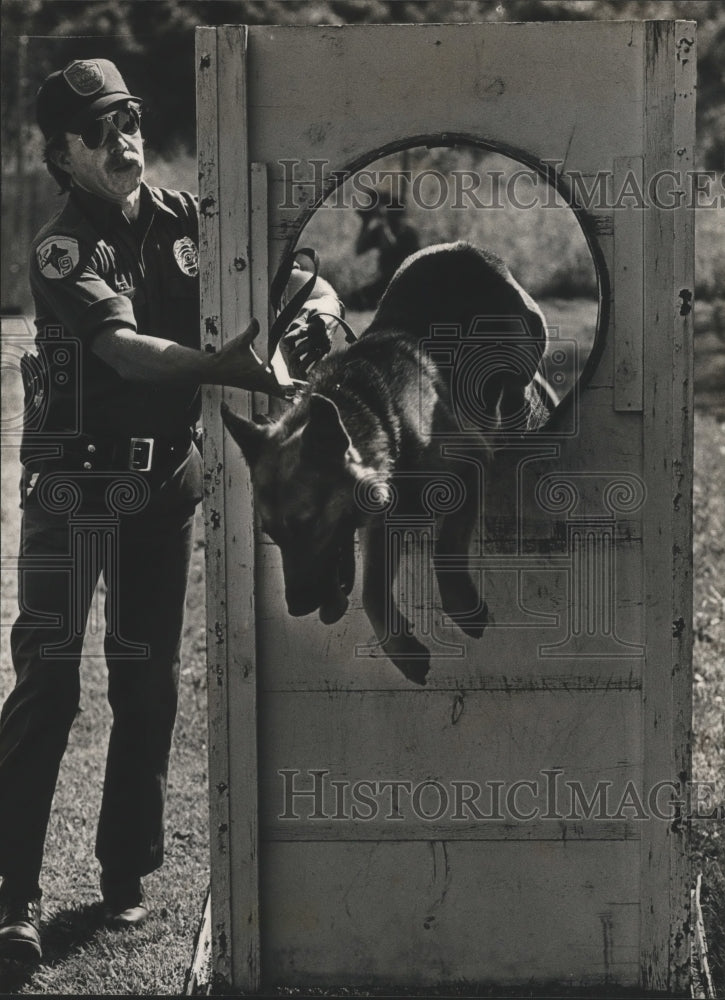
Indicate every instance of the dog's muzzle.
{"type": "Point", "coordinates": [329, 591]}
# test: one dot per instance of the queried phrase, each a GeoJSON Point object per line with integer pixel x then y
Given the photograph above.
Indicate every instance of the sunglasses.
{"type": "Point", "coordinates": [126, 120]}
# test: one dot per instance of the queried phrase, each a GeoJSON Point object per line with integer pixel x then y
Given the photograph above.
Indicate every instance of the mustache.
{"type": "Point", "coordinates": [124, 158]}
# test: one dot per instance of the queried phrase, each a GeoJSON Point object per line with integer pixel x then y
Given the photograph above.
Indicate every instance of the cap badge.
{"type": "Point", "coordinates": [187, 256]}
{"type": "Point", "coordinates": [57, 256]}
{"type": "Point", "coordinates": [84, 76]}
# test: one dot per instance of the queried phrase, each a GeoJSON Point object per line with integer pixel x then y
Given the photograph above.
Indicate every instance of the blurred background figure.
{"type": "Point", "coordinates": [385, 228]}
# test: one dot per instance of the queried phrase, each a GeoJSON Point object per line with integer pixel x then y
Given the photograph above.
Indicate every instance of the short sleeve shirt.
{"type": "Point", "coordinates": [90, 270]}
{"type": "Point", "coordinates": [391, 257]}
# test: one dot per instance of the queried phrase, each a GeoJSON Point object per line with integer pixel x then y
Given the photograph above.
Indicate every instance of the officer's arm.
{"type": "Point", "coordinates": [152, 360]}
{"type": "Point", "coordinates": [67, 283]}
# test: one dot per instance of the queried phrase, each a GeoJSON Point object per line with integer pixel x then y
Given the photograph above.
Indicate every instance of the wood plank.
{"type": "Point", "coordinates": [215, 554]}
{"type": "Point", "coordinates": [665, 901]}
{"type": "Point", "coordinates": [460, 755]}
{"type": "Point", "coordinates": [524, 647]}
{"type": "Point", "coordinates": [238, 521]}
{"type": "Point", "coordinates": [198, 978]}
{"type": "Point", "coordinates": [657, 697]}
{"type": "Point", "coordinates": [682, 486]}
{"type": "Point", "coordinates": [534, 681]}
{"type": "Point", "coordinates": [259, 265]}
{"type": "Point", "coordinates": [628, 287]}
{"type": "Point", "coordinates": [423, 915]}
{"type": "Point", "coordinates": [495, 100]}
{"type": "Point", "coordinates": [488, 832]}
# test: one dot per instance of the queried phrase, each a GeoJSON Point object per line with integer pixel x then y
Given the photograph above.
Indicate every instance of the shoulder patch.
{"type": "Point", "coordinates": [187, 256]}
{"type": "Point", "coordinates": [57, 256]}
{"type": "Point", "coordinates": [84, 76]}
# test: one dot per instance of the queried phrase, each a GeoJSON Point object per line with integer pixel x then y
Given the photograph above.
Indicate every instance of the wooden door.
{"type": "Point", "coordinates": [486, 828]}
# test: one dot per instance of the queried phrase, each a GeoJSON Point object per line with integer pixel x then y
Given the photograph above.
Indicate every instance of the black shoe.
{"type": "Point", "coordinates": [20, 928]}
{"type": "Point", "coordinates": [123, 900]}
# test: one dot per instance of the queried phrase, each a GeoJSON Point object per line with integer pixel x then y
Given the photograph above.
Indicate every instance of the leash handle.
{"type": "Point", "coordinates": [350, 335]}
{"type": "Point", "coordinates": [285, 316]}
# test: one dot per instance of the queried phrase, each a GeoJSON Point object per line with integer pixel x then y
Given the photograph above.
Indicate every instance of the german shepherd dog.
{"type": "Point", "coordinates": [371, 422]}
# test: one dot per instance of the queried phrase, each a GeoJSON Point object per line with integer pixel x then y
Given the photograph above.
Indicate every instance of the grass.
{"type": "Point", "coordinates": [708, 837]}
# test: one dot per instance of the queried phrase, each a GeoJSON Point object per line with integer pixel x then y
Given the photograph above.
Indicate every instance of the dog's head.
{"type": "Point", "coordinates": [304, 474]}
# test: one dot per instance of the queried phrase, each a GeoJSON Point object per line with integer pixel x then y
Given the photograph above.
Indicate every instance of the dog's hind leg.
{"type": "Point", "coordinates": [460, 599]}
{"type": "Point", "coordinates": [381, 560]}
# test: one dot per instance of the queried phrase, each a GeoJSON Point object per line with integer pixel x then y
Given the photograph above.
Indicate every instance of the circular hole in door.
{"type": "Point", "coordinates": [426, 195]}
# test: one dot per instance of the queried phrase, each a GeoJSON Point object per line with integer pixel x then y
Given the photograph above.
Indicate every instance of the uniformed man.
{"type": "Point", "coordinates": [111, 479]}
{"type": "Point", "coordinates": [384, 228]}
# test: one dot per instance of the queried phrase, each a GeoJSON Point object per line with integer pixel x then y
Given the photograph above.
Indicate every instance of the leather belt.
{"type": "Point", "coordinates": [125, 454]}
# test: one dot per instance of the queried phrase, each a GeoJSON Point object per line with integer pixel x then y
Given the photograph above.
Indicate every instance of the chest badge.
{"type": "Point", "coordinates": [187, 256]}
{"type": "Point", "coordinates": [57, 256]}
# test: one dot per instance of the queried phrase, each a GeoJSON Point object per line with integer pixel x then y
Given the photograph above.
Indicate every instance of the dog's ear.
{"type": "Point", "coordinates": [249, 436]}
{"type": "Point", "coordinates": [324, 437]}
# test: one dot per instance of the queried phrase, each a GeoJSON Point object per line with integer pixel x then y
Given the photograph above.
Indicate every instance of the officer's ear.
{"type": "Point", "coordinates": [61, 159]}
{"type": "Point", "coordinates": [57, 153]}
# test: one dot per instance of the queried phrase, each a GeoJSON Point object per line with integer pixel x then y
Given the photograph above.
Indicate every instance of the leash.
{"type": "Point", "coordinates": [350, 335]}
{"type": "Point", "coordinates": [285, 316]}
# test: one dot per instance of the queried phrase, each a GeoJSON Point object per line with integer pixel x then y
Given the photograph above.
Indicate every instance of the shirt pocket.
{"type": "Point", "coordinates": [180, 309]}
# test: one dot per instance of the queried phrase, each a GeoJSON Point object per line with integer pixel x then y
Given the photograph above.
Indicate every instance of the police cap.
{"type": "Point", "coordinates": [71, 97]}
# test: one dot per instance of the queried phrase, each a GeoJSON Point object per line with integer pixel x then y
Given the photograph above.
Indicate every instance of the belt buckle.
{"type": "Point", "coordinates": [141, 454]}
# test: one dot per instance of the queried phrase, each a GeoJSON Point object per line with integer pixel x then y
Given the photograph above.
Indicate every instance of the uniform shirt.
{"type": "Point", "coordinates": [92, 269]}
{"type": "Point", "coordinates": [393, 255]}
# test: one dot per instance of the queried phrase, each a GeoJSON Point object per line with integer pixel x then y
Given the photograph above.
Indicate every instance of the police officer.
{"type": "Point", "coordinates": [109, 488]}
{"type": "Point", "coordinates": [384, 228]}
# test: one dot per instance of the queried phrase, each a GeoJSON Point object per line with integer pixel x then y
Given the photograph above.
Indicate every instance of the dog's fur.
{"type": "Point", "coordinates": [371, 415]}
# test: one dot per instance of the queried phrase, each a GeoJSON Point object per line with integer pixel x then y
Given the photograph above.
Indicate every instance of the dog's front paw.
{"type": "Point", "coordinates": [333, 607]}
{"type": "Point", "coordinates": [416, 673]}
{"type": "Point", "coordinates": [460, 600]}
{"type": "Point", "coordinates": [472, 622]}
{"type": "Point", "coordinates": [411, 657]}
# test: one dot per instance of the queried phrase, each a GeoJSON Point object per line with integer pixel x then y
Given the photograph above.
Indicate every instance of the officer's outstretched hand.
{"type": "Point", "coordinates": [241, 366]}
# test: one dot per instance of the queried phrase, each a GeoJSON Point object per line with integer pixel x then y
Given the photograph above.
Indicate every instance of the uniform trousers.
{"type": "Point", "coordinates": [138, 537]}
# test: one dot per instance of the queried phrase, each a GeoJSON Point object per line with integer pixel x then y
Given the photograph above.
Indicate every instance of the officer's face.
{"type": "Point", "coordinates": [112, 171]}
